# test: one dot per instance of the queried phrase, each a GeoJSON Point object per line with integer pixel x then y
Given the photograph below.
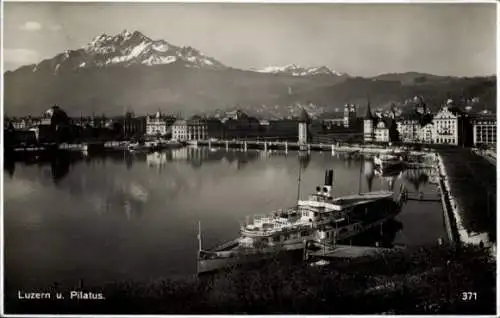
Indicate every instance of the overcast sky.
{"type": "Point", "coordinates": [360, 39]}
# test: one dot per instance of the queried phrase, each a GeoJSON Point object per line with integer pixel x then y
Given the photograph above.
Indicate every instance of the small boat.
{"type": "Point", "coordinates": [137, 147]}
{"type": "Point", "coordinates": [168, 144]}
{"type": "Point", "coordinates": [388, 161]}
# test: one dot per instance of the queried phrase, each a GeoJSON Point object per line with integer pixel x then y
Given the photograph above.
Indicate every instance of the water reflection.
{"type": "Point", "coordinates": [60, 166]}
{"type": "Point", "coordinates": [137, 212]}
{"type": "Point", "coordinates": [369, 172]}
{"type": "Point", "coordinates": [418, 178]}
{"type": "Point", "coordinates": [304, 160]}
{"type": "Point", "coordinates": [196, 157]}
{"type": "Point", "coordinates": [9, 166]}
{"type": "Point", "coordinates": [59, 161]}
{"type": "Point", "coordinates": [384, 236]}
{"type": "Point", "coordinates": [388, 176]}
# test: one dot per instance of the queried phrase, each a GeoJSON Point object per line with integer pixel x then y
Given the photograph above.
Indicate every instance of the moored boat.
{"type": "Point", "coordinates": [319, 218]}
{"type": "Point", "coordinates": [389, 162]}
{"type": "Point", "coordinates": [155, 145]}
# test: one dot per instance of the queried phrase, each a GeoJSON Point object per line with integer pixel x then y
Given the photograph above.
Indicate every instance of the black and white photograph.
{"type": "Point", "coordinates": [249, 158]}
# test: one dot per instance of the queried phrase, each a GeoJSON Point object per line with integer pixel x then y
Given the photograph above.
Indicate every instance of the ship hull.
{"type": "Point", "coordinates": [211, 261]}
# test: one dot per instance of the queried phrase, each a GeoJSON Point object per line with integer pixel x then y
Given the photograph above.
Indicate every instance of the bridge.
{"type": "Point", "coordinates": [289, 145]}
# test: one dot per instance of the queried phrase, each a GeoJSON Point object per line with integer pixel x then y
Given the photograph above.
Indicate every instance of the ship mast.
{"type": "Point", "coordinates": [360, 179]}
{"type": "Point", "coordinates": [199, 248]}
{"type": "Point", "coordinates": [298, 182]}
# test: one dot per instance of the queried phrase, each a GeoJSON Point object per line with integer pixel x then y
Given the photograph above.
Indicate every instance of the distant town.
{"type": "Point", "coordinates": [451, 125]}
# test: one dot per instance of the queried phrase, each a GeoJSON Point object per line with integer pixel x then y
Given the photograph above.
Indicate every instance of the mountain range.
{"type": "Point", "coordinates": [129, 70]}
{"type": "Point", "coordinates": [295, 70]}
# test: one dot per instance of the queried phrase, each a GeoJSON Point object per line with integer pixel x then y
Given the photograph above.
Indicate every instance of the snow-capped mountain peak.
{"type": "Point", "coordinates": [126, 48]}
{"type": "Point", "coordinates": [295, 70]}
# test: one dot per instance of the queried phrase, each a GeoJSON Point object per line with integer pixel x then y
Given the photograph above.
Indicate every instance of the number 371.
{"type": "Point", "coordinates": [469, 296]}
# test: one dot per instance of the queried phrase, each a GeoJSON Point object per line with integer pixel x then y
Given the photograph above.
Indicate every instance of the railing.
{"type": "Point", "coordinates": [284, 229]}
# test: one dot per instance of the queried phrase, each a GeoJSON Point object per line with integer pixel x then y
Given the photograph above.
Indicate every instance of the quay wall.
{"type": "Point", "coordinates": [448, 214]}
{"type": "Point", "coordinates": [489, 155]}
{"type": "Point", "coordinates": [452, 210]}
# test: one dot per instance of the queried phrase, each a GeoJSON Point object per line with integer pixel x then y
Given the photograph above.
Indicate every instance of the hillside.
{"type": "Point", "coordinates": [384, 92]}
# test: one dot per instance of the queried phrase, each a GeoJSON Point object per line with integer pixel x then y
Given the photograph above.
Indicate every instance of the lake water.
{"type": "Point", "coordinates": [134, 217]}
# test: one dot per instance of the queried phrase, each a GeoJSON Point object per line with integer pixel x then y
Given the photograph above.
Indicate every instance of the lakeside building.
{"type": "Point", "coordinates": [215, 128]}
{"type": "Point", "coordinates": [132, 125]}
{"type": "Point", "coordinates": [415, 127]}
{"type": "Point", "coordinates": [484, 129]}
{"type": "Point", "coordinates": [24, 122]}
{"type": "Point", "coordinates": [425, 134]}
{"type": "Point", "coordinates": [19, 124]}
{"type": "Point", "coordinates": [284, 129]}
{"type": "Point", "coordinates": [381, 131]}
{"type": "Point", "coordinates": [194, 128]}
{"type": "Point", "coordinates": [408, 126]}
{"type": "Point", "coordinates": [448, 125]}
{"type": "Point", "coordinates": [239, 125]}
{"type": "Point", "coordinates": [156, 125]}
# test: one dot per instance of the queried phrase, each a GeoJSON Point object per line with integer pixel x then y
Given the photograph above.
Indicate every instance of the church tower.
{"type": "Point", "coordinates": [368, 125]}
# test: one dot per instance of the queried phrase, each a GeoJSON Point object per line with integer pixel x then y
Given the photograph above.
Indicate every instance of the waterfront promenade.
{"type": "Point", "coordinates": [471, 182]}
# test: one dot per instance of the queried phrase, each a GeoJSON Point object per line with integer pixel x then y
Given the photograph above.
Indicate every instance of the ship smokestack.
{"type": "Point", "coordinates": [329, 178]}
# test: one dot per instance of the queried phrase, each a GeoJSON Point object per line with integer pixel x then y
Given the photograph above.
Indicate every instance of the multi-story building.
{"type": "Point", "coordinates": [133, 126]}
{"type": "Point", "coordinates": [408, 126]}
{"type": "Point", "coordinates": [191, 129]}
{"type": "Point", "coordinates": [238, 125]}
{"type": "Point", "coordinates": [156, 125]}
{"type": "Point", "coordinates": [415, 127]}
{"type": "Point", "coordinates": [25, 123]}
{"type": "Point", "coordinates": [381, 131]}
{"type": "Point", "coordinates": [215, 128]}
{"type": "Point", "coordinates": [447, 125]}
{"type": "Point", "coordinates": [19, 124]}
{"type": "Point", "coordinates": [283, 129]}
{"type": "Point", "coordinates": [425, 133]}
{"type": "Point", "coordinates": [484, 130]}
